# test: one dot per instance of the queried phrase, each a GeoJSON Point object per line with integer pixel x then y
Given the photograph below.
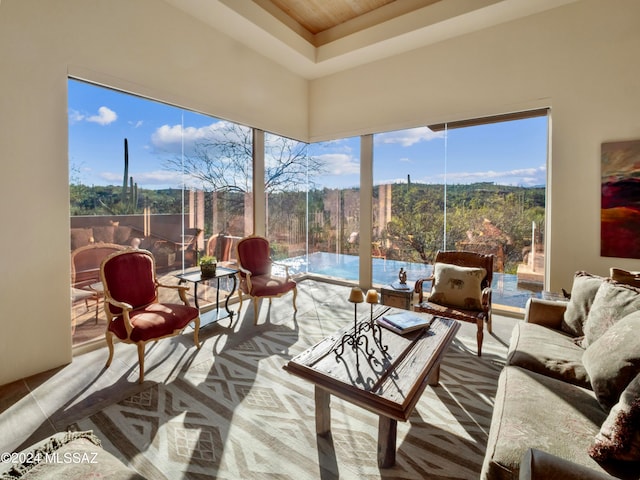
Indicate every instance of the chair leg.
{"type": "Point", "coordinates": [196, 330]}
{"type": "Point", "coordinates": [295, 294]}
{"type": "Point", "coordinates": [255, 310]}
{"type": "Point", "coordinates": [109, 338]}
{"type": "Point", "coordinates": [480, 335]}
{"type": "Point", "coordinates": [240, 297]}
{"type": "Point", "coordinates": [141, 346]}
{"type": "Point", "coordinates": [489, 326]}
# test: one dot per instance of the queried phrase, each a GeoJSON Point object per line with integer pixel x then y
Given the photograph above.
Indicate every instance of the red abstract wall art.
{"type": "Point", "coordinates": [620, 205]}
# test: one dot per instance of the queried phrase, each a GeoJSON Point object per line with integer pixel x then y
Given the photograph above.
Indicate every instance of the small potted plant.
{"type": "Point", "coordinates": [208, 266]}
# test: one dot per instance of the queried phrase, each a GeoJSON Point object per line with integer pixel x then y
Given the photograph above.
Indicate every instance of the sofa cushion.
{"type": "Point", "coordinates": [81, 237]}
{"type": "Point", "coordinates": [548, 352]}
{"type": "Point", "coordinates": [536, 411]}
{"type": "Point", "coordinates": [104, 233]}
{"type": "Point", "coordinates": [539, 465]}
{"type": "Point", "coordinates": [619, 435]}
{"type": "Point", "coordinates": [613, 301]}
{"type": "Point", "coordinates": [583, 291]}
{"type": "Point", "coordinates": [457, 286]}
{"type": "Point", "coordinates": [121, 235]}
{"type": "Point", "coordinates": [613, 360]}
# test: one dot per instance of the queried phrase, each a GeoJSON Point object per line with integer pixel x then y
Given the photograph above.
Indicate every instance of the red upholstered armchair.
{"type": "Point", "coordinates": [460, 289]}
{"type": "Point", "coordinates": [134, 314]}
{"type": "Point", "coordinates": [256, 280]}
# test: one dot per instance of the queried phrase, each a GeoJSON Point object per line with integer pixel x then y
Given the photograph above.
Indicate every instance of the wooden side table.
{"type": "Point", "coordinates": [399, 298]}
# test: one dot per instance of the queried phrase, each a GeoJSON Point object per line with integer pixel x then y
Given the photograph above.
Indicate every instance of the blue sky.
{"type": "Point", "coordinates": [509, 153]}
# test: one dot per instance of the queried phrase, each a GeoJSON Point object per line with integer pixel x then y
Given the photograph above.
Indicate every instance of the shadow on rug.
{"type": "Point", "coordinates": [239, 415]}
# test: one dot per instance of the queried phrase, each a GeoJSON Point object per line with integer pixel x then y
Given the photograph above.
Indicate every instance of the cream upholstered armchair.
{"type": "Point", "coordinates": [256, 279]}
{"type": "Point", "coordinates": [460, 289]}
{"type": "Point", "coordinates": [134, 314]}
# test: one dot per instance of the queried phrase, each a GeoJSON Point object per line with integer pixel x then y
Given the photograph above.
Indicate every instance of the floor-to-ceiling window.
{"type": "Point", "coordinates": [477, 185]}
{"type": "Point", "coordinates": [327, 205]}
{"type": "Point", "coordinates": [149, 175]}
{"type": "Point", "coordinates": [287, 167]}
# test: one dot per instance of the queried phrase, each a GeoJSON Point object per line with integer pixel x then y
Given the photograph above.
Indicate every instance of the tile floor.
{"type": "Point", "coordinates": [36, 407]}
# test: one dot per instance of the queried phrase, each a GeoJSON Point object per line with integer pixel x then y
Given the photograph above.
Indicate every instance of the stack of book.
{"type": "Point", "coordinates": [404, 322]}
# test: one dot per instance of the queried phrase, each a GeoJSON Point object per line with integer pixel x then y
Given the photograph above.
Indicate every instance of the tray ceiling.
{"type": "Point", "coordinates": [315, 38]}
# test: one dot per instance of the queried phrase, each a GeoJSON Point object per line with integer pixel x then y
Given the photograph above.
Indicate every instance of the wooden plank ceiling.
{"type": "Point", "coordinates": [317, 16]}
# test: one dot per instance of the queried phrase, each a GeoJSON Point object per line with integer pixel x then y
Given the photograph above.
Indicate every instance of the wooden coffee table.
{"type": "Point", "coordinates": [388, 383]}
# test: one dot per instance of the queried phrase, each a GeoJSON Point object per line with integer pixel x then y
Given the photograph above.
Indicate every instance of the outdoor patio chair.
{"type": "Point", "coordinates": [460, 289]}
{"type": "Point", "coordinates": [219, 246]}
{"type": "Point", "coordinates": [133, 311]}
{"type": "Point", "coordinates": [256, 278]}
{"type": "Point", "coordinates": [85, 272]}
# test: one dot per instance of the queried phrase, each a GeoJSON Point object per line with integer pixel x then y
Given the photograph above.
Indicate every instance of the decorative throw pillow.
{"type": "Point", "coordinates": [583, 291]}
{"type": "Point", "coordinates": [104, 234]}
{"type": "Point", "coordinates": [625, 276]}
{"type": "Point", "coordinates": [619, 435]}
{"type": "Point", "coordinates": [80, 237]}
{"type": "Point", "coordinates": [456, 286]}
{"type": "Point", "coordinates": [613, 360]}
{"type": "Point", "coordinates": [612, 302]}
{"type": "Point", "coordinates": [121, 235]}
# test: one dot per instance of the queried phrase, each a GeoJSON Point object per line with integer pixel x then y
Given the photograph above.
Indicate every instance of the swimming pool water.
{"type": "Point", "coordinates": [505, 289]}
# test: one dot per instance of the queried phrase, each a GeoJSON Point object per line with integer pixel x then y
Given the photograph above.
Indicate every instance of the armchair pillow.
{"type": "Point", "coordinates": [612, 302]}
{"type": "Point", "coordinates": [613, 360]}
{"type": "Point", "coordinates": [583, 291]}
{"type": "Point", "coordinates": [457, 286]}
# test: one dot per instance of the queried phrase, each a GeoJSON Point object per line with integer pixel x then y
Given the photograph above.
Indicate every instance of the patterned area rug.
{"type": "Point", "coordinates": [240, 416]}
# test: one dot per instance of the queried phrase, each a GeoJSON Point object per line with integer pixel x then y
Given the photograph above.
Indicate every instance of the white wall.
{"type": "Point", "coordinates": [580, 59]}
{"type": "Point", "coordinates": [144, 46]}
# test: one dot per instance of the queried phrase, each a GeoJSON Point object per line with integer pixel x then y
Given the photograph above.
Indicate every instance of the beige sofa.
{"type": "Point", "coordinates": [571, 386]}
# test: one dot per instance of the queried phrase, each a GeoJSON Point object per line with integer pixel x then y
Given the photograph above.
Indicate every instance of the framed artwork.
{"type": "Point", "coordinates": [620, 204]}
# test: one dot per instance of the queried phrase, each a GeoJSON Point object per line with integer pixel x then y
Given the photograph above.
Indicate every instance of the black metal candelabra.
{"type": "Point", "coordinates": [357, 338]}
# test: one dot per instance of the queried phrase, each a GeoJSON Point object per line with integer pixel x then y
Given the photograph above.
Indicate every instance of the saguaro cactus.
{"type": "Point", "coordinates": [129, 195]}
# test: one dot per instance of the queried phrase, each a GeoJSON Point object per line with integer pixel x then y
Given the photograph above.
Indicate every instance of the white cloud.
{"type": "Point", "coordinates": [105, 116]}
{"type": "Point", "coordinates": [136, 124]}
{"type": "Point", "coordinates": [339, 164]}
{"type": "Point", "coordinates": [75, 116]}
{"type": "Point", "coordinates": [408, 137]}
{"type": "Point", "coordinates": [169, 138]}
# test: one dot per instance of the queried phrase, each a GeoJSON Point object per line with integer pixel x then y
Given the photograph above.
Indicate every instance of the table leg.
{"type": "Point", "coordinates": [323, 411]}
{"type": "Point", "coordinates": [217, 297]}
{"type": "Point", "coordinates": [387, 431]}
{"type": "Point", "coordinates": [195, 292]}
{"type": "Point", "coordinates": [434, 376]}
{"type": "Point", "coordinates": [226, 302]}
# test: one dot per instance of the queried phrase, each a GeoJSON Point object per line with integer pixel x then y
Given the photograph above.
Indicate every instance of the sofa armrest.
{"type": "Point", "coordinates": [548, 313]}
{"type": "Point", "coordinates": [539, 465]}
